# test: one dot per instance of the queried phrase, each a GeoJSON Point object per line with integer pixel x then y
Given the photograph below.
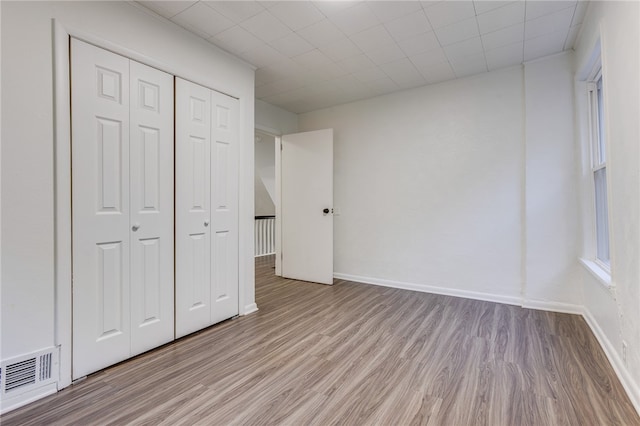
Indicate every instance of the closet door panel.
{"type": "Point", "coordinates": [224, 196]}
{"type": "Point", "coordinates": [193, 207]}
{"type": "Point", "coordinates": [151, 172]}
{"type": "Point", "coordinates": [100, 197]}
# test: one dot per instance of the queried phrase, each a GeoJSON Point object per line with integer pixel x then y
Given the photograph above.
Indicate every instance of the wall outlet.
{"type": "Point", "coordinates": [624, 351]}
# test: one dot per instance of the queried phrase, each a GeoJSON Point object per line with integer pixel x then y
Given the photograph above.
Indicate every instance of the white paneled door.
{"type": "Point", "coordinates": [122, 201]}
{"type": "Point", "coordinates": [307, 206]}
{"type": "Point", "coordinates": [151, 207]}
{"type": "Point", "coordinates": [206, 207]}
{"type": "Point", "coordinates": [224, 207]}
{"type": "Point", "coordinates": [193, 207]}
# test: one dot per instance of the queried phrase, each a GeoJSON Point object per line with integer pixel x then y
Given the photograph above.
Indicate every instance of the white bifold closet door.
{"type": "Point", "coordinates": [122, 195]}
{"type": "Point", "coordinates": [206, 207]}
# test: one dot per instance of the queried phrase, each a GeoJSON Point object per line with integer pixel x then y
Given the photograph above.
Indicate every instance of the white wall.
{"type": "Point", "coordinates": [615, 313]}
{"type": "Point", "coordinates": [27, 149]}
{"type": "Point", "coordinates": [265, 175]}
{"type": "Point", "coordinates": [275, 120]}
{"type": "Point", "coordinates": [465, 187]}
{"type": "Point", "coordinates": [551, 187]}
{"type": "Point", "coordinates": [429, 185]}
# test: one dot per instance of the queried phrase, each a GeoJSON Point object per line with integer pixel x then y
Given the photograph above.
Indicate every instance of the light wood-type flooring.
{"type": "Point", "coordinates": [357, 354]}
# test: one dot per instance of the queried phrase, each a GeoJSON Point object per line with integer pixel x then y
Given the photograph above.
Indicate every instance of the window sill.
{"type": "Point", "coordinates": [603, 276]}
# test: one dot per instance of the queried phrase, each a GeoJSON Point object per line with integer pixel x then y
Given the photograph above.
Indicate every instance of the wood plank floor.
{"type": "Point", "coordinates": [356, 354]}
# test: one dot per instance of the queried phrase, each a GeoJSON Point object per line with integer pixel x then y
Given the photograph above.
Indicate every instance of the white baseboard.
{"type": "Point", "coordinates": [467, 294]}
{"type": "Point", "coordinates": [8, 404]}
{"type": "Point", "coordinates": [632, 388]}
{"type": "Point", "coordinates": [543, 305]}
{"type": "Point", "coordinates": [249, 309]}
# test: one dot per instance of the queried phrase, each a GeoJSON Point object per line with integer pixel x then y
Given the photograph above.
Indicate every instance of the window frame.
{"type": "Point", "coordinates": [598, 165]}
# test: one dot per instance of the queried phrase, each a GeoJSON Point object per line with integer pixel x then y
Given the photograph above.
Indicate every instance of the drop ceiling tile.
{"type": "Point", "coordinates": [277, 71]}
{"type": "Point", "coordinates": [263, 77]}
{"type": "Point", "coordinates": [511, 54]}
{"type": "Point", "coordinates": [454, 33]}
{"type": "Point", "coordinates": [572, 36]}
{"type": "Point", "coordinates": [369, 74]}
{"type": "Point", "coordinates": [237, 11]}
{"type": "Point", "coordinates": [403, 73]}
{"type": "Point", "coordinates": [236, 40]}
{"type": "Point", "coordinates": [331, 70]}
{"type": "Point", "coordinates": [265, 26]}
{"type": "Point", "coordinates": [321, 33]}
{"type": "Point", "coordinates": [291, 45]}
{"type": "Point", "coordinates": [345, 83]}
{"type": "Point", "coordinates": [503, 37]}
{"type": "Point", "coordinates": [390, 10]}
{"type": "Point", "coordinates": [341, 49]}
{"type": "Point", "coordinates": [420, 43]}
{"type": "Point", "coordinates": [428, 3]}
{"type": "Point", "coordinates": [355, 19]}
{"type": "Point", "coordinates": [501, 18]}
{"type": "Point", "coordinates": [264, 90]}
{"type": "Point", "coordinates": [312, 59]}
{"type": "Point", "coordinates": [203, 20]}
{"type": "Point", "coordinates": [408, 26]}
{"type": "Point", "coordinates": [332, 7]}
{"type": "Point", "coordinates": [548, 23]}
{"type": "Point", "coordinates": [448, 12]}
{"type": "Point", "coordinates": [470, 65]}
{"type": "Point", "coordinates": [356, 63]}
{"type": "Point", "coordinates": [538, 8]}
{"type": "Point", "coordinates": [386, 54]}
{"type": "Point", "coordinates": [427, 60]}
{"type": "Point", "coordinates": [544, 45]}
{"type": "Point", "coordinates": [484, 6]}
{"type": "Point", "coordinates": [263, 55]}
{"type": "Point", "coordinates": [373, 38]}
{"type": "Point", "coordinates": [297, 14]}
{"type": "Point", "coordinates": [382, 86]}
{"type": "Point", "coordinates": [438, 72]}
{"type": "Point", "coordinates": [465, 49]}
{"type": "Point", "coordinates": [168, 9]}
{"type": "Point", "coordinates": [291, 83]}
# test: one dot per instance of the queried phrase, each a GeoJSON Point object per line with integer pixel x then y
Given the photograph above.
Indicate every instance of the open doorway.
{"type": "Point", "coordinates": [265, 202]}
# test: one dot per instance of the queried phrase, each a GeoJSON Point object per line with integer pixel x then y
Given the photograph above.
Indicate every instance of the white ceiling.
{"type": "Point", "coordinates": [315, 54]}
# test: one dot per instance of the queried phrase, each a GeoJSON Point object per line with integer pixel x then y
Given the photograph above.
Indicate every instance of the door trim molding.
{"type": "Point", "coordinates": [62, 200]}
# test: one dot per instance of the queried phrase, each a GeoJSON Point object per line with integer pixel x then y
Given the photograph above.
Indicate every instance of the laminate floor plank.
{"type": "Point", "coordinates": [356, 354]}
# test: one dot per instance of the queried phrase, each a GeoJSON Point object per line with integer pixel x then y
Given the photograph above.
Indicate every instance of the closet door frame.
{"type": "Point", "coordinates": [62, 291]}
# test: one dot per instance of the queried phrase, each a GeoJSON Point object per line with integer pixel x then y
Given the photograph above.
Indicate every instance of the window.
{"type": "Point", "coordinates": [599, 166]}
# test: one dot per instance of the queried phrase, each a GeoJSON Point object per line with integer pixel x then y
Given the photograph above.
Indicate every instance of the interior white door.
{"type": "Point", "coordinates": [224, 212]}
{"type": "Point", "coordinates": [122, 195]}
{"type": "Point", "coordinates": [193, 207]}
{"type": "Point", "coordinates": [151, 174]}
{"type": "Point", "coordinates": [306, 200]}
{"type": "Point", "coordinates": [100, 197]}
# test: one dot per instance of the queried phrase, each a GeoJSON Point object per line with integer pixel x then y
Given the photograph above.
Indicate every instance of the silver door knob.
{"type": "Point", "coordinates": [206, 223]}
{"type": "Point", "coordinates": [135, 227]}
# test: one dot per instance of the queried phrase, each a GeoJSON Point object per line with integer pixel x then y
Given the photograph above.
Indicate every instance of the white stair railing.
{"type": "Point", "coordinates": [265, 235]}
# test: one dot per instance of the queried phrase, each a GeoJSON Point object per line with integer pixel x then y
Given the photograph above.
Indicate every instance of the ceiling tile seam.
{"type": "Point", "coordinates": [182, 11]}
{"type": "Point", "coordinates": [564, 45]}
{"type": "Point", "coordinates": [484, 51]}
{"type": "Point", "coordinates": [436, 36]}
{"type": "Point", "coordinates": [524, 29]}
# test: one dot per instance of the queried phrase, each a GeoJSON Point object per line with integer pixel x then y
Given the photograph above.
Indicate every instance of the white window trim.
{"type": "Point", "coordinates": [599, 273]}
{"type": "Point", "coordinates": [596, 266]}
